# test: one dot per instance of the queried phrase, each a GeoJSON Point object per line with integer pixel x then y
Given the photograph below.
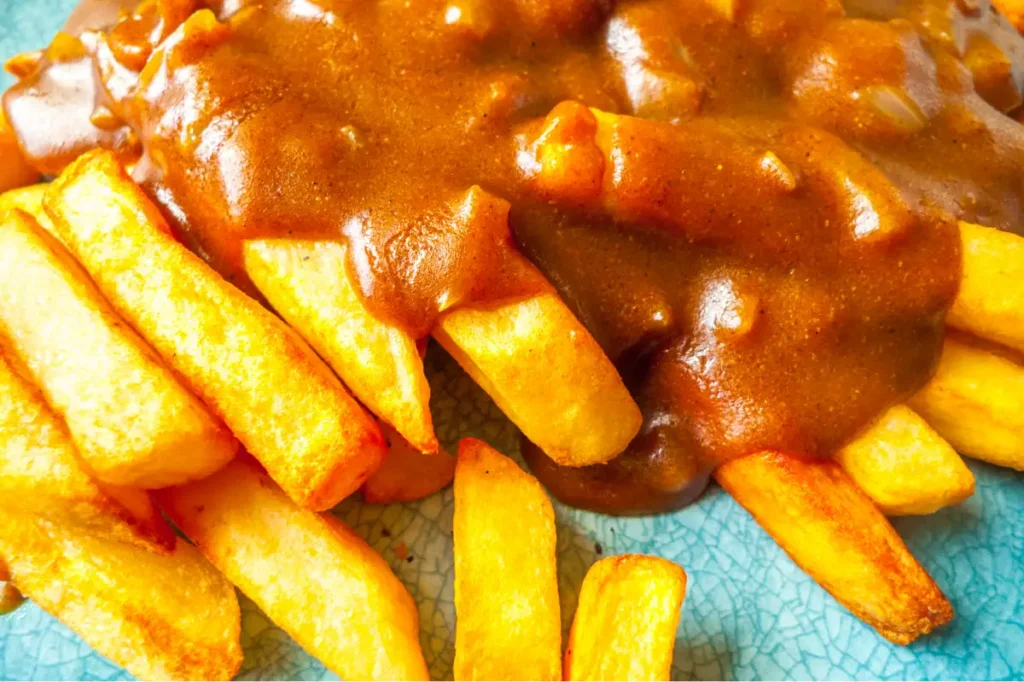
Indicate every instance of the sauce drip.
{"type": "Point", "coordinates": [751, 206]}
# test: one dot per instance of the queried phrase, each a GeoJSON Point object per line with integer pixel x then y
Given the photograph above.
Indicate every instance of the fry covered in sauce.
{"type": "Point", "coordinates": [674, 240]}
{"type": "Point", "coordinates": [753, 210]}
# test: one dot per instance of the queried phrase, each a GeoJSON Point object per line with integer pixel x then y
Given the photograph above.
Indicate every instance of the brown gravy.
{"type": "Point", "coordinates": [760, 228]}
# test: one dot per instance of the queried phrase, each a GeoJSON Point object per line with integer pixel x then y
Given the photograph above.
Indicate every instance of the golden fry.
{"type": "Point", "coordinates": [905, 467]}
{"type": "Point", "coordinates": [30, 200]}
{"type": "Point", "coordinates": [584, 414]}
{"type": "Point", "coordinates": [975, 401]}
{"type": "Point", "coordinates": [14, 169]}
{"type": "Point", "coordinates": [160, 617]}
{"type": "Point", "coordinates": [254, 372]}
{"type": "Point", "coordinates": [626, 621]}
{"type": "Point", "coordinates": [40, 474]}
{"type": "Point", "coordinates": [833, 531]}
{"type": "Point", "coordinates": [307, 284]}
{"type": "Point", "coordinates": [131, 420]}
{"type": "Point", "coordinates": [407, 474]}
{"type": "Point", "coordinates": [309, 573]}
{"type": "Point", "coordinates": [990, 303]}
{"type": "Point", "coordinates": [506, 590]}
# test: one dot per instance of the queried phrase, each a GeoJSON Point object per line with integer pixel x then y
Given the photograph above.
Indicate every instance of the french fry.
{"type": "Point", "coordinates": [990, 303]}
{"type": "Point", "coordinates": [407, 474]}
{"type": "Point", "coordinates": [14, 169]}
{"type": "Point", "coordinates": [626, 620]}
{"type": "Point", "coordinates": [130, 419]}
{"type": "Point", "coordinates": [584, 415]}
{"type": "Point", "coordinates": [281, 401]}
{"type": "Point", "coordinates": [308, 285]}
{"type": "Point", "coordinates": [30, 200]}
{"type": "Point", "coordinates": [160, 617]}
{"type": "Point", "coordinates": [833, 531]}
{"type": "Point", "coordinates": [40, 474]}
{"type": "Point", "coordinates": [975, 401]}
{"type": "Point", "coordinates": [308, 572]}
{"type": "Point", "coordinates": [905, 467]}
{"type": "Point", "coordinates": [506, 590]}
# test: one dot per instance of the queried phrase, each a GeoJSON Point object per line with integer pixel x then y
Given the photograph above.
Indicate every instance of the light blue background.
{"type": "Point", "coordinates": [749, 612]}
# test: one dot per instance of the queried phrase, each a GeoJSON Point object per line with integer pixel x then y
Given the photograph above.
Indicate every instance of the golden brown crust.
{"type": "Point", "coordinates": [626, 621]}
{"type": "Point", "coordinates": [833, 531]}
{"type": "Point", "coordinates": [130, 418]}
{"type": "Point", "coordinates": [280, 400]}
{"type": "Point", "coordinates": [309, 572]}
{"type": "Point", "coordinates": [506, 588]}
{"type": "Point", "coordinates": [160, 617]}
{"type": "Point", "coordinates": [307, 284]}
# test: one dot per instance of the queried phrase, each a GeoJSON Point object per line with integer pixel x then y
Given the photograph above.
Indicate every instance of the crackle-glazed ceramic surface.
{"type": "Point", "coordinates": [750, 613]}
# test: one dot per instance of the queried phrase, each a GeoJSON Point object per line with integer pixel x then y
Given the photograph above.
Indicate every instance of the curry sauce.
{"type": "Point", "coordinates": [751, 204]}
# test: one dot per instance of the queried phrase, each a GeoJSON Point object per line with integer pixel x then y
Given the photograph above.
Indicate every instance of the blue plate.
{"type": "Point", "coordinates": [749, 613]}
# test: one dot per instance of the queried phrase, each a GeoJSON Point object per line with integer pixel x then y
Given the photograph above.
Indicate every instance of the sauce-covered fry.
{"type": "Point", "coordinates": [308, 286]}
{"type": "Point", "coordinates": [584, 415]}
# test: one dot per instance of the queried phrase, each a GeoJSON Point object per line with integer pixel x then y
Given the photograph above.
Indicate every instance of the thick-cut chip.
{"type": "Point", "coordinates": [905, 467]}
{"type": "Point", "coordinates": [584, 414]}
{"type": "Point", "coordinates": [506, 591]}
{"type": "Point", "coordinates": [832, 530]}
{"type": "Point", "coordinates": [14, 169]}
{"type": "Point", "coordinates": [259, 376]}
{"type": "Point", "coordinates": [309, 573]}
{"type": "Point", "coordinates": [307, 283]}
{"type": "Point", "coordinates": [160, 617]}
{"type": "Point", "coordinates": [990, 302]}
{"type": "Point", "coordinates": [407, 474]}
{"type": "Point", "coordinates": [975, 401]}
{"type": "Point", "coordinates": [40, 474]}
{"type": "Point", "coordinates": [626, 621]}
{"type": "Point", "coordinates": [131, 420]}
{"type": "Point", "coordinates": [30, 200]}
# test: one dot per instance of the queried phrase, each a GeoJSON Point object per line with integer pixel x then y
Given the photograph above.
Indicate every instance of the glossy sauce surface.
{"type": "Point", "coordinates": [752, 207]}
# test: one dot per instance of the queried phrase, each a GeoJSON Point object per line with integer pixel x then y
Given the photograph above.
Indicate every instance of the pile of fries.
{"type": "Point", "coordinates": [138, 389]}
{"type": "Point", "coordinates": [137, 384]}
